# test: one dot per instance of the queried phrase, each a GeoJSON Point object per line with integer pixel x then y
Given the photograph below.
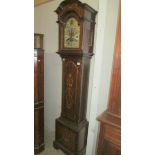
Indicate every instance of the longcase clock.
{"type": "Point", "coordinates": [76, 35]}
{"type": "Point", "coordinates": [38, 94]}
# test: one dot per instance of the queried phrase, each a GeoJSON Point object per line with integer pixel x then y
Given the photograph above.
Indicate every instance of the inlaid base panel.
{"type": "Point", "coordinates": [70, 137]}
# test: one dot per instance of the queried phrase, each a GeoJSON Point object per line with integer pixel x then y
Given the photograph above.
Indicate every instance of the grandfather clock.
{"type": "Point", "coordinates": [76, 35]}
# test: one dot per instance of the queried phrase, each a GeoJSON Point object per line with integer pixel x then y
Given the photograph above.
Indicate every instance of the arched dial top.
{"type": "Point", "coordinates": [72, 33]}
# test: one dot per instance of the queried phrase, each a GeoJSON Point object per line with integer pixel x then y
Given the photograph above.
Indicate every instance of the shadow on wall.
{"type": "Point", "coordinates": [52, 88]}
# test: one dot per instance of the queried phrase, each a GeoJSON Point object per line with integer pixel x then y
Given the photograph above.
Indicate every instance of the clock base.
{"type": "Point", "coordinates": [58, 145]}
{"type": "Point", "coordinates": [71, 138]}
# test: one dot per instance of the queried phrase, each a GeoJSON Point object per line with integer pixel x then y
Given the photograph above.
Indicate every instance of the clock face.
{"type": "Point", "coordinates": [72, 34]}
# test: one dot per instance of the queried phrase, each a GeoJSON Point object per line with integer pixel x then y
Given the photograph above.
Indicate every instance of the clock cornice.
{"type": "Point", "coordinates": [80, 4]}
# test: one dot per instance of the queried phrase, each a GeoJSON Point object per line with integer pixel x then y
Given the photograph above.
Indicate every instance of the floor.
{"type": "Point", "coordinates": [49, 149]}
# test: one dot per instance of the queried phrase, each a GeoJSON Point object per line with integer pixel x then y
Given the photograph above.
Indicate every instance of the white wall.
{"type": "Point", "coordinates": [101, 67]}
{"type": "Point", "coordinates": [101, 63]}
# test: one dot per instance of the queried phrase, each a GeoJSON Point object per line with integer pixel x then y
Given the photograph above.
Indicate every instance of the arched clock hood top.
{"type": "Point", "coordinates": [64, 3]}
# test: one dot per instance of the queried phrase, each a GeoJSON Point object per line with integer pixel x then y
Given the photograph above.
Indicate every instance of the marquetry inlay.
{"type": "Point", "coordinates": [71, 84]}
{"type": "Point", "coordinates": [69, 91]}
{"type": "Point", "coordinates": [67, 137]}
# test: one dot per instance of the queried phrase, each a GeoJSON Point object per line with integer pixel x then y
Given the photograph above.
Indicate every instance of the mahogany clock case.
{"type": "Point", "coordinates": [72, 126]}
{"type": "Point", "coordinates": [75, 50]}
{"type": "Point", "coordinates": [38, 94]}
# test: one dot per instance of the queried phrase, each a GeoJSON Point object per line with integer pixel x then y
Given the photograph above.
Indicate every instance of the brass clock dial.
{"type": "Point", "coordinates": [72, 34]}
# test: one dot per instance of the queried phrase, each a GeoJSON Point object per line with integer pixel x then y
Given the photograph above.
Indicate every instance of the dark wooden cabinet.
{"type": "Point", "coordinates": [109, 141]}
{"type": "Point", "coordinates": [76, 34]}
{"type": "Point", "coordinates": [38, 98]}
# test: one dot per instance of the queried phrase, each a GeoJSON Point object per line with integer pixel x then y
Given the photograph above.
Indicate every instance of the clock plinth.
{"type": "Point", "coordinates": [71, 137]}
{"type": "Point", "coordinates": [76, 34]}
